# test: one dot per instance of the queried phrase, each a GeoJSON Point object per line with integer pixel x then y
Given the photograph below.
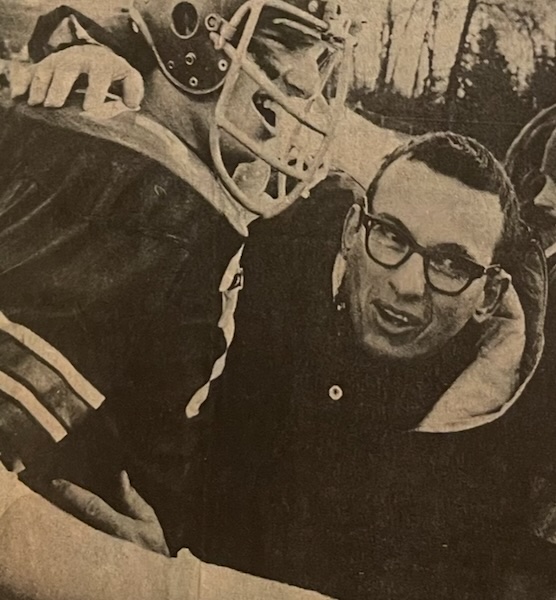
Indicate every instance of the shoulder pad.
{"type": "Point", "coordinates": [144, 135]}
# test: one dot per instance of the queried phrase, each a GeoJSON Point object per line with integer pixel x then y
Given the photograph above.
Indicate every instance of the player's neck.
{"type": "Point", "coordinates": [184, 117]}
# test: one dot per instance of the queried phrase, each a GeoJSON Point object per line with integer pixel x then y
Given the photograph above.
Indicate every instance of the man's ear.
{"type": "Point", "coordinates": [352, 224]}
{"type": "Point", "coordinates": [495, 287]}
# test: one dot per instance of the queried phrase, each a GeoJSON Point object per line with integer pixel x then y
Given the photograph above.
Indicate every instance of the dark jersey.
{"type": "Point", "coordinates": [110, 267]}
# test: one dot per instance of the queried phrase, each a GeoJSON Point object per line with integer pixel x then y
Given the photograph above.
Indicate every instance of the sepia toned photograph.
{"type": "Point", "coordinates": [277, 300]}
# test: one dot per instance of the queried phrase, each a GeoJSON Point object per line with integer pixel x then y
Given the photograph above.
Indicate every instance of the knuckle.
{"type": "Point", "coordinates": [48, 61]}
{"type": "Point", "coordinates": [51, 62]}
{"type": "Point", "coordinates": [42, 76]}
{"type": "Point", "coordinates": [61, 486]}
{"type": "Point", "coordinates": [136, 78]}
{"type": "Point", "coordinates": [131, 535]}
{"type": "Point", "coordinates": [150, 515]}
{"type": "Point", "coordinates": [91, 508]}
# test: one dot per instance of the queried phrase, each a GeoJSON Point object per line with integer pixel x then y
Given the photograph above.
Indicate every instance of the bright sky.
{"type": "Point", "coordinates": [407, 39]}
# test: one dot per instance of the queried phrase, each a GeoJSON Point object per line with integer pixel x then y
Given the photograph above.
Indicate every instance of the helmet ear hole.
{"type": "Point", "coordinates": [185, 20]}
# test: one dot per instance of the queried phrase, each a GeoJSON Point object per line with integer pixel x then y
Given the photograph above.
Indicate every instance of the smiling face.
{"type": "Point", "coordinates": [394, 311]}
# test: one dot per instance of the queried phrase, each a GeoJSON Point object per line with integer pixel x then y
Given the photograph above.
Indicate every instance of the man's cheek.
{"type": "Point", "coordinates": [371, 288]}
{"type": "Point", "coordinates": [452, 316]}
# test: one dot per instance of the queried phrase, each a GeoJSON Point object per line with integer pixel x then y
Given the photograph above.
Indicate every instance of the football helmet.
{"type": "Point", "coordinates": [525, 156]}
{"type": "Point", "coordinates": [208, 47]}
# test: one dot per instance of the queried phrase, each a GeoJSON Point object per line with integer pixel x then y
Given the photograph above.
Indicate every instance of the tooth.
{"type": "Point", "coordinates": [397, 316]}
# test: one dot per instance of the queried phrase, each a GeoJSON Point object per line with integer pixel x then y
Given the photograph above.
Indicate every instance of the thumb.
{"type": "Point", "coordinates": [132, 504]}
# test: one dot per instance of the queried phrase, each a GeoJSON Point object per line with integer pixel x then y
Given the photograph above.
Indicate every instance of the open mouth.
{"type": "Point", "coordinates": [397, 321]}
{"type": "Point", "coordinates": [263, 103]}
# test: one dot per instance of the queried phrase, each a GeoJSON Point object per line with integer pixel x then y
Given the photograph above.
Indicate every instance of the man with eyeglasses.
{"type": "Point", "coordinates": [359, 447]}
{"type": "Point", "coordinates": [366, 448]}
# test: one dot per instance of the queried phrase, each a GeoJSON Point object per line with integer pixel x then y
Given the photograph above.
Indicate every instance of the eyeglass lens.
{"type": "Point", "coordinates": [390, 247]}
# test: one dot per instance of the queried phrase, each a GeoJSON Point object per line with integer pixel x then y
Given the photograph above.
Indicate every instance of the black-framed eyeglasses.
{"type": "Point", "coordinates": [446, 272]}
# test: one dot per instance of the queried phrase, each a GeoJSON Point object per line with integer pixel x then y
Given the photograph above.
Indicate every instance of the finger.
{"type": "Point", "coordinates": [90, 509]}
{"type": "Point", "coordinates": [133, 89]}
{"type": "Point", "coordinates": [41, 82]}
{"type": "Point", "coordinates": [133, 505]}
{"type": "Point", "coordinates": [62, 82]}
{"type": "Point", "coordinates": [97, 90]}
{"type": "Point", "coordinates": [21, 75]}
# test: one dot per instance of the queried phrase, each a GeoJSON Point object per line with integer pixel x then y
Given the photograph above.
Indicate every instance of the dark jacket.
{"type": "Point", "coordinates": [112, 258]}
{"type": "Point", "coordinates": [541, 441]}
{"type": "Point", "coordinates": [318, 474]}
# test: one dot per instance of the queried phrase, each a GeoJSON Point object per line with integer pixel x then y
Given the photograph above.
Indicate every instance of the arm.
{"type": "Point", "coordinates": [47, 555]}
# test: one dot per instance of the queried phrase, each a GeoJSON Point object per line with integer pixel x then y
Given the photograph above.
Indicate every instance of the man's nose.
{"type": "Point", "coordinates": [408, 280]}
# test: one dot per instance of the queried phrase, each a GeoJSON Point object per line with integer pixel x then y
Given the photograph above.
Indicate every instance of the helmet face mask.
{"type": "Point", "coordinates": [287, 126]}
{"type": "Point", "coordinates": [524, 164]}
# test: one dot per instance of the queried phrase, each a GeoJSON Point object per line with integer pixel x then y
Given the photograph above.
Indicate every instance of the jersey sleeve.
{"type": "Point", "coordinates": [43, 397]}
{"type": "Point", "coordinates": [212, 582]}
{"type": "Point", "coordinates": [48, 555]}
{"type": "Point", "coordinates": [64, 27]}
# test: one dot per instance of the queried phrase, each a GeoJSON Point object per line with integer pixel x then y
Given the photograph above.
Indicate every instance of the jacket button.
{"type": "Point", "coordinates": [335, 392]}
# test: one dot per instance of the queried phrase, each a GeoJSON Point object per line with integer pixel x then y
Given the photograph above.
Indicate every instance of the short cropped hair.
{"type": "Point", "coordinates": [469, 162]}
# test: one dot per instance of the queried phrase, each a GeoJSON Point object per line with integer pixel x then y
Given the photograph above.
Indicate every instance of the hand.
{"type": "Point", "coordinates": [137, 523]}
{"type": "Point", "coordinates": [50, 81]}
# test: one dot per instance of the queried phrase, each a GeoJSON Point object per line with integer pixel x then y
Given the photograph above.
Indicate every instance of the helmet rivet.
{"type": "Point", "coordinates": [222, 64]}
{"type": "Point", "coordinates": [190, 58]}
{"type": "Point", "coordinates": [212, 22]}
{"type": "Point", "coordinates": [313, 6]}
{"type": "Point", "coordinates": [134, 27]}
{"type": "Point", "coordinates": [193, 81]}
{"type": "Point", "coordinates": [170, 64]}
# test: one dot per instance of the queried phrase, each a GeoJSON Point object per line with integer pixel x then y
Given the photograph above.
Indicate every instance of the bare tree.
{"type": "Point", "coordinates": [424, 81]}
{"type": "Point", "coordinates": [403, 34]}
{"type": "Point", "coordinates": [454, 79]}
{"type": "Point", "coordinates": [386, 50]}
{"type": "Point", "coordinates": [430, 41]}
